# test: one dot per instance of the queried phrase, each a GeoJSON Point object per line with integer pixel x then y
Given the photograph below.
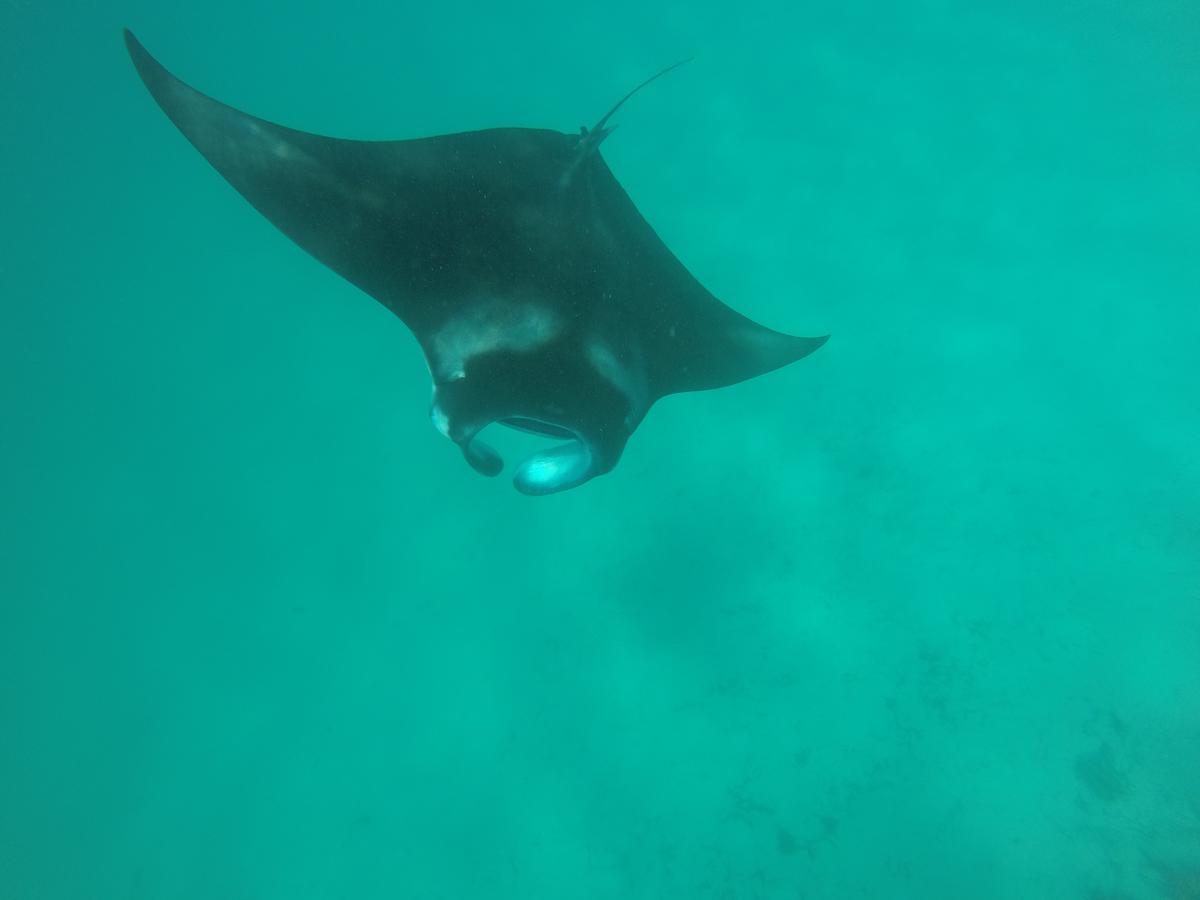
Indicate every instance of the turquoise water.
{"type": "Point", "coordinates": [916, 617]}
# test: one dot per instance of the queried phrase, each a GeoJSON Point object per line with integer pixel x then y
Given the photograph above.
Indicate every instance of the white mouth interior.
{"type": "Point", "coordinates": [542, 470]}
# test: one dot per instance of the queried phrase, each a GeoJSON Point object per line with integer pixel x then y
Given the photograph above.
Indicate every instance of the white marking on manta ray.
{"type": "Point", "coordinates": [440, 420]}
{"type": "Point", "coordinates": [629, 381]}
{"type": "Point", "coordinates": [488, 326]}
{"type": "Point", "coordinates": [277, 146]}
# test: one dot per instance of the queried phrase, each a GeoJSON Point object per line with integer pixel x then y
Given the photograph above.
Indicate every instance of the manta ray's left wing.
{"type": "Point", "coordinates": [415, 223]}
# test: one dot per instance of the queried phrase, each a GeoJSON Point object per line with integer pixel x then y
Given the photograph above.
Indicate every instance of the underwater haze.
{"type": "Point", "coordinates": [917, 617]}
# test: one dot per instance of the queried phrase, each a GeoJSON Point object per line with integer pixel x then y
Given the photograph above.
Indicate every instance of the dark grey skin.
{"type": "Point", "coordinates": [541, 297]}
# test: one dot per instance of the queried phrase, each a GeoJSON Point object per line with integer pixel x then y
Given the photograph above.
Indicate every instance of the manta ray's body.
{"type": "Point", "coordinates": [540, 296]}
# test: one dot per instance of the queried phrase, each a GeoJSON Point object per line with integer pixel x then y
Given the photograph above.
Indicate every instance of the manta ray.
{"type": "Point", "coordinates": [540, 296]}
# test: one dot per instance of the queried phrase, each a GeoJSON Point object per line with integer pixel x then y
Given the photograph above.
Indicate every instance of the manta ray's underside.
{"type": "Point", "coordinates": [541, 297]}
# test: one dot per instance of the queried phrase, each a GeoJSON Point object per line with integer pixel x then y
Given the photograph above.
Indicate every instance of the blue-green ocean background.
{"type": "Point", "coordinates": [918, 617]}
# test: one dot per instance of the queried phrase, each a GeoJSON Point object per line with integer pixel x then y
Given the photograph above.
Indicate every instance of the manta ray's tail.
{"type": "Point", "coordinates": [590, 141]}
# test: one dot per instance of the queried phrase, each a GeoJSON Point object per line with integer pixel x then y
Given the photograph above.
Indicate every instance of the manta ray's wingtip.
{"type": "Point", "coordinates": [142, 60]}
{"type": "Point", "coordinates": [149, 68]}
{"type": "Point", "coordinates": [803, 346]}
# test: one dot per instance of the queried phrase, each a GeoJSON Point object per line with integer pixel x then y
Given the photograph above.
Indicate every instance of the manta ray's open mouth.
{"type": "Point", "coordinates": [545, 472]}
{"type": "Point", "coordinates": [556, 468]}
{"type": "Point", "coordinates": [537, 426]}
